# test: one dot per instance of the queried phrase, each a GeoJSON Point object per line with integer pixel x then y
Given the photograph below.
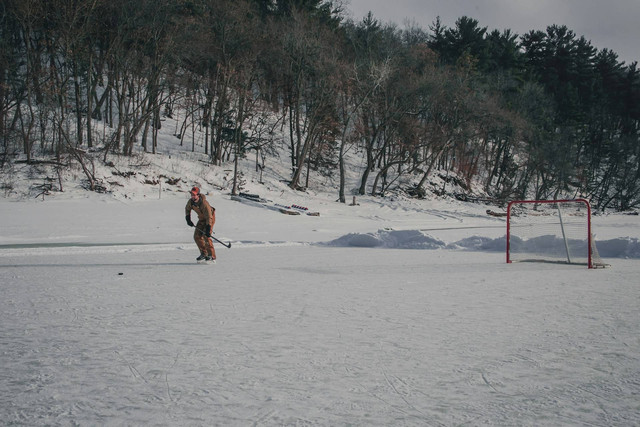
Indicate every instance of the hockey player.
{"type": "Point", "coordinates": [204, 227]}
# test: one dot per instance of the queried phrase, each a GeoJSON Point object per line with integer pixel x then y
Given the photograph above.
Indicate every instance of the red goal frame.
{"type": "Point", "coordinates": [589, 236]}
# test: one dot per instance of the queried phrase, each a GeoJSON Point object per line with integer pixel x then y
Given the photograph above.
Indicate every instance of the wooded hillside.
{"type": "Point", "coordinates": [543, 114]}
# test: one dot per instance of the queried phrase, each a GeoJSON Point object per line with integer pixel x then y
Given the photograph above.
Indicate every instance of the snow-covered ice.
{"type": "Point", "coordinates": [378, 314]}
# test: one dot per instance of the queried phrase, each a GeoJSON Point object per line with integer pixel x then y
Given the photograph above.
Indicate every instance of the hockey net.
{"type": "Point", "coordinates": [551, 231]}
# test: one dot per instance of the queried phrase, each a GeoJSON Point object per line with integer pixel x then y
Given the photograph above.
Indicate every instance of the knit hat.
{"type": "Point", "coordinates": [195, 190]}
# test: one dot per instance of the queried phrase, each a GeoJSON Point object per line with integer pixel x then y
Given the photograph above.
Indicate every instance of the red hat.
{"type": "Point", "coordinates": [195, 190]}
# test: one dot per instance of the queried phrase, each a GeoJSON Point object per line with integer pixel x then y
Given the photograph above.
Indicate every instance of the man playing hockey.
{"type": "Point", "coordinates": [206, 219]}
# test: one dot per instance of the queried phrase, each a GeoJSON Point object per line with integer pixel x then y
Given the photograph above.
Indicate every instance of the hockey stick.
{"type": "Point", "coordinates": [226, 245]}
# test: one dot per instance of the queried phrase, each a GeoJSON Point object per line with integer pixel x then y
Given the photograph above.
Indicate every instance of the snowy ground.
{"type": "Point", "coordinates": [106, 319]}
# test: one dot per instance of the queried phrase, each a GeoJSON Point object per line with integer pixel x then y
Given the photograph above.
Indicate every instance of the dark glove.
{"type": "Point", "coordinates": [207, 230]}
{"type": "Point", "coordinates": [188, 218]}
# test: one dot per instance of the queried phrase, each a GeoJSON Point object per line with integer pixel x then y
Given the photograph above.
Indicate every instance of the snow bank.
{"type": "Point", "coordinates": [415, 239]}
{"type": "Point", "coordinates": [619, 248]}
{"type": "Point", "coordinates": [404, 239]}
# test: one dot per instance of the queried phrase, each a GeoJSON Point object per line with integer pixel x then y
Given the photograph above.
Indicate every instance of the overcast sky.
{"type": "Point", "coordinates": [612, 24]}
